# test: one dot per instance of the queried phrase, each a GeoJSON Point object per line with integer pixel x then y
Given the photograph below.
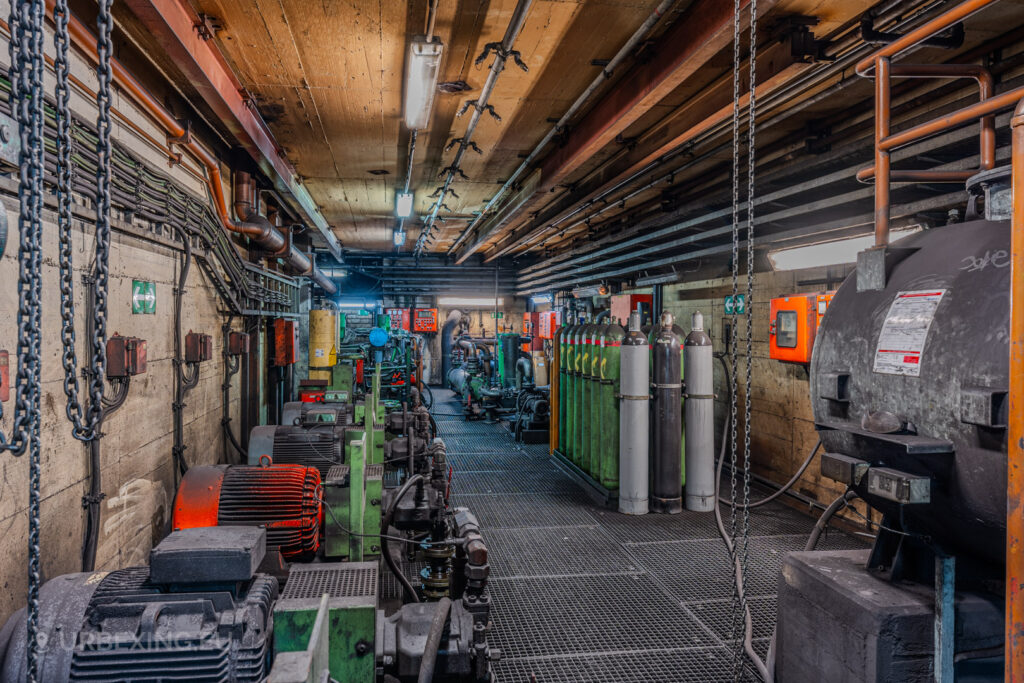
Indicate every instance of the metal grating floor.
{"type": "Point", "coordinates": [584, 594]}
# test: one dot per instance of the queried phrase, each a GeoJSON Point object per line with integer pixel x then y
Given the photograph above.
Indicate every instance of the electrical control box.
{"type": "Point", "coordinates": [624, 304]}
{"type": "Point", "coordinates": [548, 324]}
{"type": "Point", "coordinates": [400, 319]}
{"type": "Point", "coordinates": [238, 343]}
{"type": "Point", "coordinates": [5, 376]}
{"type": "Point", "coordinates": [198, 347]}
{"type": "Point", "coordinates": [424, 320]}
{"type": "Point", "coordinates": [283, 340]}
{"type": "Point", "coordinates": [794, 325]}
{"type": "Point", "coordinates": [531, 325]}
{"type": "Point", "coordinates": [126, 356]}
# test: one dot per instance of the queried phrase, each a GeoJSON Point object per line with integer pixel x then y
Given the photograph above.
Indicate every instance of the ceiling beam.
{"type": "Point", "coordinates": [173, 25]}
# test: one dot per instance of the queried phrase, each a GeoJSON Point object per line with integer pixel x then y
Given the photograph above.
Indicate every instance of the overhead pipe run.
{"type": "Point", "coordinates": [253, 226]}
{"type": "Point", "coordinates": [503, 51]}
{"type": "Point", "coordinates": [563, 122]}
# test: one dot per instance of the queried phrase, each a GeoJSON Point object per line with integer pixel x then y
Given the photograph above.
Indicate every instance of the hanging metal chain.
{"type": "Point", "coordinates": [733, 341]}
{"type": "Point", "coordinates": [744, 550]}
{"type": "Point", "coordinates": [80, 429]}
{"type": "Point", "coordinates": [26, 73]}
{"type": "Point", "coordinates": [104, 50]}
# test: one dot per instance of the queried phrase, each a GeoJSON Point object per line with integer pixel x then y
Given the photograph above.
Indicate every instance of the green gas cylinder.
{"type": "Point", "coordinates": [596, 343]}
{"type": "Point", "coordinates": [610, 376]}
{"type": "Point", "coordinates": [569, 420]}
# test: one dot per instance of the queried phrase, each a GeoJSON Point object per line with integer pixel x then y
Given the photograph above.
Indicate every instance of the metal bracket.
{"type": "Point", "coordinates": [497, 49]}
{"type": "Point", "coordinates": [453, 169]}
{"type": "Point", "coordinates": [796, 30]}
{"type": "Point", "coordinates": [207, 26]}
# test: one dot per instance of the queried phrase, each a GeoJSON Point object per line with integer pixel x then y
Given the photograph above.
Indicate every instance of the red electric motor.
{"type": "Point", "coordinates": [285, 499]}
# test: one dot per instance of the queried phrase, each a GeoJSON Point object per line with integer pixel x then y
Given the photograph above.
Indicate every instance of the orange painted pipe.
{"type": "Point", "coordinates": [882, 112]}
{"type": "Point", "coordinates": [953, 119]}
{"type": "Point", "coordinates": [939, 23]}
{"type": "Point", "coordinates": [1014, 671]}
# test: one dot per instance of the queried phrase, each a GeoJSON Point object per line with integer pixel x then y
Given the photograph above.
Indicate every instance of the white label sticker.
{"type": "Point", "coordinates": [904, 332]}
{"type": "Point", "coordinates": [319, 353]}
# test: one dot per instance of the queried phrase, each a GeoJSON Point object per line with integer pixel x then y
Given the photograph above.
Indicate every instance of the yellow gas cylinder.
{"type": "Point", "coordinates": [323, 343]}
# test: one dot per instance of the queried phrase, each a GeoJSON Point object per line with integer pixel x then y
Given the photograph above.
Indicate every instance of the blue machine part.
{"type": "Point", "coordinates": [378, 336]}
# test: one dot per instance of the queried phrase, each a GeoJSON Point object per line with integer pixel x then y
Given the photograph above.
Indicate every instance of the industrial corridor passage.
{"type": "Point", "coordinates": [582, 593]}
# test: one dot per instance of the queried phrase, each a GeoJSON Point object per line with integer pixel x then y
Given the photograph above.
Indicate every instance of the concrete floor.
{"type": "Point", "coordinates": [583, 593]}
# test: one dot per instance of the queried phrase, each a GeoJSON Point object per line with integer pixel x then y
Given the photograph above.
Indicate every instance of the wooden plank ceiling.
{"type": "Point", "coordinates": [328, 78]}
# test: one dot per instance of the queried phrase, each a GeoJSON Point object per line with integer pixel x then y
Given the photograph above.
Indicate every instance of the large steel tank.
{"type": "Point", "coordinates": [913, 379]}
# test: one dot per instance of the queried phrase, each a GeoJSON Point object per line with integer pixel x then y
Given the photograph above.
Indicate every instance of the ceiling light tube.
{"type": "Point", "coordinates": [831, 253]}
{"type": "Point", "coordinates": [590, 290]}
{"type": "Point", "coordinates": [481, 302]}
{"type": "Point", "coordinates": [403, 204]}
{"type": "Point", "coordinates": [422, 67]}
{"type": "Point", "coordinates": [398, 237]}
{"type": "Point", "coordinates": [540, 299]}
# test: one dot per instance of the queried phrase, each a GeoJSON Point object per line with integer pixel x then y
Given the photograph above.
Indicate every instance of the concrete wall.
{"type": "Point", "coordinates": [137, 474]}
{"type": "Point", "coordinates": [782, 424]}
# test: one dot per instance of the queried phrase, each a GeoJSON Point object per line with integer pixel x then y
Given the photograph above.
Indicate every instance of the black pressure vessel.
{"type": "Point", "coordinates": [666, 465]}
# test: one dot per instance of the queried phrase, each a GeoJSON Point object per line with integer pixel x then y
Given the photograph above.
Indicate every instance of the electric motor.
{"type": "Point", "coordinates": [199, 612]}
{"type": "Point", "coordinates": [285, 499]}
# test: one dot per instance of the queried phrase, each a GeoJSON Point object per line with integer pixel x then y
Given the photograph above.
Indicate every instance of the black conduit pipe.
{"type": "Point", "coordinates": [429, 659]}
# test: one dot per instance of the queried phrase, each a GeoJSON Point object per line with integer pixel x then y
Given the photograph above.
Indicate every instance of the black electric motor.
{"type": "Point", "coordinates": [197, 613]}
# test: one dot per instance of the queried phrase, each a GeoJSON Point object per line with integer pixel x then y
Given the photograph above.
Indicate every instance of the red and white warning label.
{"type": "Point", "coordinates": [904, 332]}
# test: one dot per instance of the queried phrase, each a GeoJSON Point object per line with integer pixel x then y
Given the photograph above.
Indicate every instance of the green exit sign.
{"type": "Point", "coordinates": [739, 306]}
{"type": "Point", "coordinates": [497, 314]}
{"type": "Point", "coordinates": [143, 297]}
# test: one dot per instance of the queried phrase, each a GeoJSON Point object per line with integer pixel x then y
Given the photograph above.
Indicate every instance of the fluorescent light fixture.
{"type": "Point", "coordinates": [398, 237]}
{"type": "Point", "coordinates": [333, 272]}
{"type": "Point", "coordinates": [830, 253]}
{"type": "Point", "coordinates": [354, 304]}
{"type": "Point", "coordinates": [422, 66]}
{"type": "Point", "coordinates": [403, 204]}
{"type": "Point", "coordinates": [540, 299]}
{"type": "Point", "coordinates": [479, 302]}
{"type": "Point", "coordinates": [591, 290]}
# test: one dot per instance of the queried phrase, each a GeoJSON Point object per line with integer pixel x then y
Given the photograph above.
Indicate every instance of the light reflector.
{"type": "Point", "coordinates": [403, 204]}
{"type": "Point", "coordinates": [831, 253]}
{"type": "Point", "coordinates": [422, 65]}
{"type": "Point", "coordinates": [481, 302]}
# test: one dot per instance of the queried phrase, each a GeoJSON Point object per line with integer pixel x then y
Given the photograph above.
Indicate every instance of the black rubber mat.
{"type": "Point", "coordinates": [585, 594]}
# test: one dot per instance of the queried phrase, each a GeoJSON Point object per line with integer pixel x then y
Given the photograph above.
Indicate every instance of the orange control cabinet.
{"type": "Point", "coordinates": [400, 318]}
{"type": "Point", "coordinates": [794, 325]}
{"type": "Point", "coordinates": [424, 320]}
{"type": "Point", "coordinates": [548, 325]}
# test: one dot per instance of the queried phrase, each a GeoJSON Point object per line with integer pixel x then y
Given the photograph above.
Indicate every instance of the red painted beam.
{"type": "Point", "coordinates": [689, 43]}
{"type": "Point", "coordinates": [172, 24]}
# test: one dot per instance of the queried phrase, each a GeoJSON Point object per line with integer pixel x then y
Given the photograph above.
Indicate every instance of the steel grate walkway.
{"type": "Point", "coordinates": [583, 594]}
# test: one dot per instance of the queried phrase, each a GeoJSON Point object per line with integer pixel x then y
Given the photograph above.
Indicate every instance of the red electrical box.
{"type": "Point", "coordinates": [548, 325]}
{"type": "Point", "coordinates": [5, 377]}
{"type": "Point", "coordinates": [126, 356]}
{"type": "Point", "coordinates": [531, 327]}
{"type": "Point", "coordinates": [238, 343]}
{"type": "Point", "coordinates": [424, 320]}
{"type": "Point", "coordinates": [198, 347]}
{"type": "Point", "coordinates": [794, 325]}
{"type": "Point", "coordinates": [624, 304]}
{"type": "Point", "coordinates": [400, 318]}
{"type": "Point", "coordinates": [283, 339]}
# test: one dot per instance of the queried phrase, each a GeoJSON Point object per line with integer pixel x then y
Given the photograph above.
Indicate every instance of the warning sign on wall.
{"type": "Point", "coordinates": [904, 332]}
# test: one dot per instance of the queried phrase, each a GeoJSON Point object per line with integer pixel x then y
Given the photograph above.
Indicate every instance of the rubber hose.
{"type": "Point", "coordinates": [795, 477]}
{"type": "Point", "coordinates": [429, 659]}
{"type": "Point", "coordinates": [767, 675]}
{"type": "Point", "coordinates": [386, 550]}
{"type": "Point", "coordinates": [812, 542]}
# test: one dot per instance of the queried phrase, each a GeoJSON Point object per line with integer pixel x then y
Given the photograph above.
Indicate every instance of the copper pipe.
{"type": "Point", "coordinates": [939, 23]}
{"type": "Point", "coordinates": [252, 225]}
{"type": "Point", "coordinates": [882, 95]}
{"type": "Point", "coordinates": [918, 176]}
{"type": "Point", "coordinates": [953, 119]}
{"type": "Point", "coordinates": [1014, 652]}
